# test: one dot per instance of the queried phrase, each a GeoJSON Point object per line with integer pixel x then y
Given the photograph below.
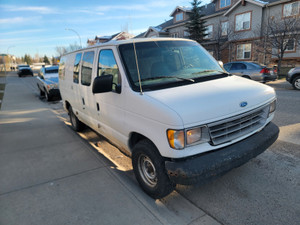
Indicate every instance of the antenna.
{"type": "Point", "coordinates": [138, 70]}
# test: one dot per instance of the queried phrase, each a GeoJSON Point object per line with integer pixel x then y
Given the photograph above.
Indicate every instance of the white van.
{"type": "Point", "coordinates": [169, 105]}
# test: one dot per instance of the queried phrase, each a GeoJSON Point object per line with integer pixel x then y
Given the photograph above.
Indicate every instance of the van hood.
{"type": "Point", "coordinates": [213, 100]}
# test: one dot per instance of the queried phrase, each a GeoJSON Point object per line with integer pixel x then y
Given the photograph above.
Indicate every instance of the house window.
{"type": "Point", "coordinates": [243, 51]}
{"type": "Point", "coordinates": [209, 32]}
{"type": "Point", "coordinates": [179, 17]}
{"type": "Point", "coordinates": [225, 3]}
{"type": "Point", "coordinates": [224, 28]}
{"type": "Point", "coordinates": [174, 35]}
{"type": "Point", "coordinates": [243, 21]}
{"type": "Point", "coordinates": [186, 34]}
{"type": "Point", "coordinates": [290, 46]}
{"type": "Point", "coordinates": [291, 9]}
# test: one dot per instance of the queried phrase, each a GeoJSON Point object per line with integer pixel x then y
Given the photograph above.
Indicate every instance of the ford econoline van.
{"type": "Point", "coordinates": [169, 105]}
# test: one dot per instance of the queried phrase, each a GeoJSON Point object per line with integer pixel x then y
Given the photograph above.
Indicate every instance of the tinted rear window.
{"type": "Point", "coordinates": [53, 70]}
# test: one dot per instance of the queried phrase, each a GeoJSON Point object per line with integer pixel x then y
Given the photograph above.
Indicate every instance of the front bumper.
{"type": "Point", "coordinates": [55, 93]}
{"type": "Point", "coordinates": [288, 78]}
{"type": "Point", "coordinates": [212, 164]}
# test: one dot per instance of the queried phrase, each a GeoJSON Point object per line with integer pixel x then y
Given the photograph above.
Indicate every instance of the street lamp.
{"type": "Point", "coordinates": [8, 57]}
{"type": "Point", "coordinates": [75, 33]}
{"type": "Point", "coordinates": [10, 47]}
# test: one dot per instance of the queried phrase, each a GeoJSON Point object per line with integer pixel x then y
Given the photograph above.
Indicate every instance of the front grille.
{"type": "Point", "coordinates": [237, 126]}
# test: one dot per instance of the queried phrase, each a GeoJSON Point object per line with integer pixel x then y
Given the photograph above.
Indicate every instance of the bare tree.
{"type": "Point", "coordinates": [61, 50]}
{"type": "Point", "coordinates": [279, 36]}
{"type": "Point", "coordinates": [223, 35]}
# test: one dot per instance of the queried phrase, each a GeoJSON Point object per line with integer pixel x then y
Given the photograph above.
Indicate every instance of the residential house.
{"type": "Point", "coordinates": [101, 39]}
{"type": "Point", "coordinates": [235, 29]}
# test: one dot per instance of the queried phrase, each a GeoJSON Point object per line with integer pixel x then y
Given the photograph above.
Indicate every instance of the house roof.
{"type": "Point", "coordinates": [255, 2]}
{"type": "Point", "coordinates": [208, 9]}
{"type": "Point", "coordinates": [159, 28]}
{"type": "Point", "coordinates": [261, 3]}
{"type": "Point", "coordinates": [181, 8]}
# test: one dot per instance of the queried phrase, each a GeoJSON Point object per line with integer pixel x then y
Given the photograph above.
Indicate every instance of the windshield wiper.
{"type": "Point", "coordinates": [206, 71]}
{"type": "Point", "coordinates": [161, 77]}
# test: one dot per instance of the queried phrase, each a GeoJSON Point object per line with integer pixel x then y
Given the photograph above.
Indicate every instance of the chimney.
{"type": "Point", "coordinates": [243, 3]}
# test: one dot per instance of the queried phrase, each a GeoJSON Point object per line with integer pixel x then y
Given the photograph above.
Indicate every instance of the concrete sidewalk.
{"type": "Point", "coordinates": [49, 175]}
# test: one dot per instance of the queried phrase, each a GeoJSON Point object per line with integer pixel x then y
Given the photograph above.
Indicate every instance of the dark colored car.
{"type": "Point", "coordinates": [293, 77]}
{"type": "Point", "coordinates": [251, 70]}
{"type": "Point", "coordinates": [24, 70]}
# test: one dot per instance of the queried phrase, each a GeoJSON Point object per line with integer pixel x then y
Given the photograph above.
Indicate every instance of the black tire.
{"type": "Point", "coordinates": [42, 94]}
{"type": "Point", "coordinates": [77, 125]}
{"type": "Point", "coordinates": [48, 97]}
{"type": "Point", "coordinates": [296, 83]}
{"type": "Point", "coordinates": [149, 170]}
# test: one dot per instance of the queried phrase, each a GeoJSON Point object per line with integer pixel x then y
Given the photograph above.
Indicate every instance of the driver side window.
{"type": "Point", "coordinates": [108, 66]}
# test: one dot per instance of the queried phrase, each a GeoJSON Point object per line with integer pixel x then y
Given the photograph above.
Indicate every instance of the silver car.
{"type": "Point", "coordinates": [293, 77]}
{"type": "Point", "coordinates": [251, 70]}
{"type": "Point", "coordinates": [47, 82]}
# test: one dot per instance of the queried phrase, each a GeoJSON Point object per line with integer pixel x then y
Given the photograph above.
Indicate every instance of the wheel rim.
{"type": "Point", "coordinates": [147, 170]}
{"type": "Point", "coordinates": [297, 83]}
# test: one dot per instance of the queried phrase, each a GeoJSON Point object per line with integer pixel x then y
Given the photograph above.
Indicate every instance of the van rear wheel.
{"type": "Point", "coordinates": [77, 125]}
{"type": "Point", "coordinates": [149, 169]}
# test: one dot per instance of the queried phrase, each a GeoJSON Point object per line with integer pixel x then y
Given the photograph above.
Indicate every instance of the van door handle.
{"type": "Point", "coordinates": [83, 102]}
{"type": "Point", "coordinates": [98, 107]}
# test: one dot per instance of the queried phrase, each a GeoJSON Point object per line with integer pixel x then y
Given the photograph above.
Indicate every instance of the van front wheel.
{"type": "Point", "coordinates": [149, 170]}
{"type": "Point", "coordinates": [77, 125]}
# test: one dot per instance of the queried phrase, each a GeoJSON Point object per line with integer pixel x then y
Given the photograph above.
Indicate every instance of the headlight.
{"type": "Point", "coordinates": [193, 135]}
{"type": "Point", "coordinates": [272, 107]}
{"type": "Point", "coordinates": [178, 139]}
{"type": "Point", "coordinates": [52, 86]}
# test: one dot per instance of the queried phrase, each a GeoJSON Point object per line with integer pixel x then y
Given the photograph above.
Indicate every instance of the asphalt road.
{"type": "Point", "coordinates": [266, 190]}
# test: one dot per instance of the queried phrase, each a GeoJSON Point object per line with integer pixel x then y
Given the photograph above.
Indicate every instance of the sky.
{"type": "Point", "coordinates": [39, 26]}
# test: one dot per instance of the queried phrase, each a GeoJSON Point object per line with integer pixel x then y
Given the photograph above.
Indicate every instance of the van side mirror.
{"type": "Point", "coordinates": [102, 84]}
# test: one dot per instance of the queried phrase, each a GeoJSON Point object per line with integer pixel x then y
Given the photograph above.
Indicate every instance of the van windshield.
{"type": "Point", "coordinates": [165, 64]}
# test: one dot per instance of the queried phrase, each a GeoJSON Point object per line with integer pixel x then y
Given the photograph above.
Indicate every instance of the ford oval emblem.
{"type": "Point", "coordinates": [243, 104]}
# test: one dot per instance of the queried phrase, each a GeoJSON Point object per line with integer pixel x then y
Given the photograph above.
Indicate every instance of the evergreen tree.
{"type": "Point", "coordinates": [195, 26]}
{"type": "Point", "coordinates": [46, 60]}
{"type": "Point", "coordinates": [53, 60]}
{"type": "Point", "coordinates": [27, 59]}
